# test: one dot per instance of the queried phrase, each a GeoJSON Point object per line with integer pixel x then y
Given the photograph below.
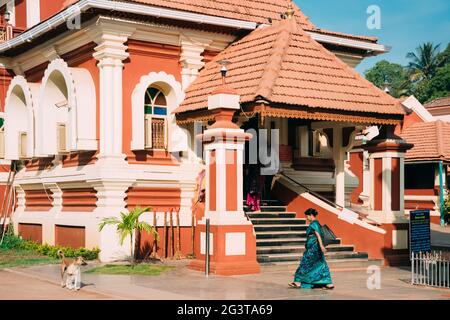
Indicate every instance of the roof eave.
{"type": "Point", "coordinates": [371, 48]}
{"type": "Point", "coordinates": [127, 7]}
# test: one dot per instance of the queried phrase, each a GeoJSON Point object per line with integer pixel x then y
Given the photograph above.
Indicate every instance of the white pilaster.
{"type": "Point", "coordinates": [191, 58]}
{"type": "Point", "coordinates": [110, 52]}
{"type": "Point", "coordinates": [33, 12]}
{"type": "Point", "coordinates": [387, 185]}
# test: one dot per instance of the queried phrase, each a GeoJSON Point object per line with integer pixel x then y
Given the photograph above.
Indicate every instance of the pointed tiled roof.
{"type": "Point", "coordinates": [284, 65]}
{"type": "Point", "coordinates": [431, 141]}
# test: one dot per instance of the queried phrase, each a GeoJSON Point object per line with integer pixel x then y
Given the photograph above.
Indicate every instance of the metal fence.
{"type": "Point", "coordinates": [430, 269]}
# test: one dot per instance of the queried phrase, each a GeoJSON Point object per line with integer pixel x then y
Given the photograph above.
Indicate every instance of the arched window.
{"type": "Point", "coordinates": [155, 105]}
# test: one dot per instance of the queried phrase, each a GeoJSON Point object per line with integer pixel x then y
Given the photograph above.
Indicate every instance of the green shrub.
{"type": "Point", "coordinates": [11, 242]}
{"type": "Point", "coordinates": [14, 242]}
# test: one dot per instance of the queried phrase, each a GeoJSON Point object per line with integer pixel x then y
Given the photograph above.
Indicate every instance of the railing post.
{"type": "Point", "coordinates": [207, 248]}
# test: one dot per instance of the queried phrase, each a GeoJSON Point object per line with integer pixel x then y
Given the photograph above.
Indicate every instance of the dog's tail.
{"type": "Point", "coordinates": [60, 254]}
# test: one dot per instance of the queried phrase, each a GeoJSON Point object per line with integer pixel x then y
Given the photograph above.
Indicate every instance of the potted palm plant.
{"type": "Point", "coordinates": [127, 224]}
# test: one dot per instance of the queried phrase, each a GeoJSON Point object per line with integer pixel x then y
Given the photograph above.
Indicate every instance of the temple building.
{"type": "Point", "coordinates": [108, 105]}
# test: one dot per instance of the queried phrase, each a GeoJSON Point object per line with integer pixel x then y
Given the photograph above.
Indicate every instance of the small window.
{"type": "Point", "coordinates": [61, 135]}
{"type": "Point", "coordinates": [155, 119]}
{"type": "Point", "coordinates": [22, 145]}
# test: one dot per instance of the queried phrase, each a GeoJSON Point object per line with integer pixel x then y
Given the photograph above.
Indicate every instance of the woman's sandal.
{"type": "Point", "coordinates": [328, 287]}
{"type": "Point", "coordinates": [294, 285]}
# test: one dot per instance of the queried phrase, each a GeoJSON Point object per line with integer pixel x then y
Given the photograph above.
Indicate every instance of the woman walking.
{"type": "Point", "coordinates": [313, 270]}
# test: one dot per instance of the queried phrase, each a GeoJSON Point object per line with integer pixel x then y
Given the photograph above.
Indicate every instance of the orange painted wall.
{"type": "Point", "coordinates": [363, 239]}
{"type": "Point", "coordinates": [39, 164]}
{"type": "Point", "coordinates": [378, 184]}
{"type": "Point", "coordinates": [223, 264]}
{"type": "Point", "coordinates": [38, 200]}
{"type": "Point", "coordinates": [408, 120]}
{"type": "Point", "coordinates": [5, 80]}
{"type": "Point", "coordinates": [146, 242]}
{"type": "Point", "coordinates": [231, 180]}
{"type": "Point", "coordinates": [356, 166]}
{"type": "Point", "coordinates": [160, 199]}
{"type": "Point", "coordinates": [395, 184]}
{"type": "Point", "coordinates": [84, 200]}
{"type": "Point", "coordinates": [145, 58]}
{"type": "Point", "coordinates": [421, 192]}
{"type": "Point", "coordinates": [377, 245]}
{"type": "Point", "coordinates": [21, 13]}
{"type": "Point", "coordinates": [51, 7]}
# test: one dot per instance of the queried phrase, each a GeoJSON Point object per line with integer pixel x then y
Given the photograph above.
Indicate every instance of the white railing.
{"type": "Point", "coordinates": [430, 269]}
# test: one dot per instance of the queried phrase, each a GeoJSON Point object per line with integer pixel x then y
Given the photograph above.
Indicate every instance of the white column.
{"type": "Point", "coordinates": [338, 155]}
{"type": "Point", "coordinates": [387, 184]}
{"type": "Point", "coordinates": [33, 12]}
{"type": "Point", "coordinates": [110, 53]}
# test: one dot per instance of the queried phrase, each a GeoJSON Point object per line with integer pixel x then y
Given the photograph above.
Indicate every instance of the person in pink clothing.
{"type": "Point", "coordinates": [254, 194]}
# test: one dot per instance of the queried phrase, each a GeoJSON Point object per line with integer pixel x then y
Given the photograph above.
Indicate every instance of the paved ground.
{"type": "Point", "coordinates": [440, 237]}
{"type": "Point", "coordinates": [42, 282]}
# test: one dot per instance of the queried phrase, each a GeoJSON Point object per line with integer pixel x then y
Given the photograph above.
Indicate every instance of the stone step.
{"type": "Point", "coordinates": [285, 242]}
{"type": "Point", "coordinates": [279, 234]}
{"type": "Point", "coordinates": [280, 227]}
{"type": "Point", "coordinates": [294, 221]}
{"type": "Point", "coordinates": [273, 208]}
{"type": "Point", "coordinates": [333, 264]}
{"type": "Point", "coordinates": [301, 249]}
{"type": "Point", "coordinates": [278, 215]}
{"type": "Point", "coordinates": [297, 257]}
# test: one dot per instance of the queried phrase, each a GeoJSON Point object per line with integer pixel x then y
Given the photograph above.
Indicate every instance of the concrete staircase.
{"type": "Point", "coordinates": [281, 237]}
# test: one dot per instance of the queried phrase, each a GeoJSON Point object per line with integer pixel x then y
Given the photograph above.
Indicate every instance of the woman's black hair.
{"type": "Point", "coordinates": [311, 212]}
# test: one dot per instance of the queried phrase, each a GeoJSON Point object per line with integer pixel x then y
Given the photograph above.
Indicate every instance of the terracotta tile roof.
{"type": "Point", "coordinates": [438, 103]}
{"type": "Point", "coordinates": [431, 140]}
{"type": "Point", "coordinates": [257, 11]}
{"type": "Point", "coordinates": [283, 64]}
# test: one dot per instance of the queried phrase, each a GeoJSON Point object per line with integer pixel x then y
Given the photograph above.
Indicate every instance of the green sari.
{"type": "Point", "coordinates": [313, 270]}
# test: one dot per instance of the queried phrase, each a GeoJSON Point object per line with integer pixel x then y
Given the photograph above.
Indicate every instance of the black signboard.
{"type": "Point", "coordinates": [419, 231]}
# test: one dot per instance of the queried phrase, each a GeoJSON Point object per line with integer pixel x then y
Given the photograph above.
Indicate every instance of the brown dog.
{"type": "Point", "coordinates": [72, 268]}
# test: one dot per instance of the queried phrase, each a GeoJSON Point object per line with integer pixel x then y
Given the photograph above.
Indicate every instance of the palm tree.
{"type": "Point", "coordinates": [425, 61]}
{"type": "Point", "coordinates": [127, 224]}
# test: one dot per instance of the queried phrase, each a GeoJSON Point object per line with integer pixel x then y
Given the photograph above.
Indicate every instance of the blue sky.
{"type": "Point", "coordinates": [404, 23]}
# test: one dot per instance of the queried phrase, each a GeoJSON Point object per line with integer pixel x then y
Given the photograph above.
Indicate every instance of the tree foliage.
{"type": "Point", "coordinates": [427, 75]}
{"type": "Point", "coordinates": [392, 74]}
